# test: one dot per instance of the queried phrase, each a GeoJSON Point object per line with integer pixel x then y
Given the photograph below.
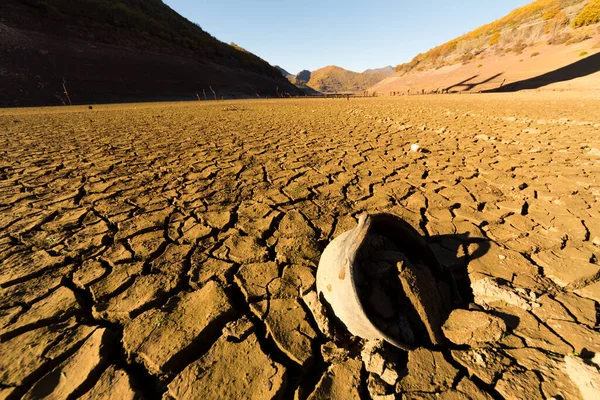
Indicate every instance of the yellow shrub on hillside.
{"type": "Point", "coordinates": [589, 15]}
{"type": "Point", "coordinates": [551, 12]}
{"type": "Point", "coordinates": [497, 32]}
{"type": "Point", "coordinates": [494, 39]}
{"type": "Point", "coordinates": [559, 21]}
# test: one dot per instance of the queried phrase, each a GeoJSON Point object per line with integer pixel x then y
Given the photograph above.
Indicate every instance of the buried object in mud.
{"type": "Point", "coordinates": [382, 282]}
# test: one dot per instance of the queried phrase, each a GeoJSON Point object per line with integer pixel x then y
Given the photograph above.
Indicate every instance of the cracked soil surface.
{"type": "Point", "coordinates": [163, 250]}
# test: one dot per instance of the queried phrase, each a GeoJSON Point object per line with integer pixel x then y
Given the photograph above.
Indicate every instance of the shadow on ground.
{"type": "Point", "coordinates": [468, 86]}
{"type": "Point", "coordinates": [452, 251]}
{"type": "Point", "coordinates": [587, 66]}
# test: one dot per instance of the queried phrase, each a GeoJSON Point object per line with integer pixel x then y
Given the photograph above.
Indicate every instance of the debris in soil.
{"type": "Point", "coordinates": [233, 108]}
{"type": "Point", "coordinates": [487, 364]}
{"type": "Point", "coordinates": [488, 290]}
{"type": "Point", "coordinates": [473, 328]}
{"type": "Point", "coordinates": [341, 381]}
{"type": "Point", "coordinates": [586, 375]}
{"type": "Point", "coordinates": [379, 362]}
{"type": "Point", "coordinates": [419, 284]}
{"type": "Point", "coordinates": [331, 353]}
{"type": "Point", "coordinates": [311, 299]}
{"type": "Point", "coordinates": [427, 371]}
{"type": "Point", "coordinates": [239, 329]}
{"type": "Point", "coordinates": [378, 389]}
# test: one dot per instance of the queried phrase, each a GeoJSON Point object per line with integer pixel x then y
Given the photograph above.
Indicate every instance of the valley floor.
{"type": "Point", "coordinates": [164, 249]}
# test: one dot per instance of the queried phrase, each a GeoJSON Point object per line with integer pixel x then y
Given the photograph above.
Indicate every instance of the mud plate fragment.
{"type": "Point", "coordinates": [340, 382]}
{"type": "Point", "coordinates": [473, 328]}
{"type": "Point", "coordinates": [159, 338]}
{"type": "Point", "coordinates": [428, 371]}
{"type": "Point", "coordinates": [64, 380]}
{"type": "Point", "coordinates": [113, 384]}
{"type": "Point", "coordinates": [419, 286]}
{"type": "Point", "coordinates": [230, 371]}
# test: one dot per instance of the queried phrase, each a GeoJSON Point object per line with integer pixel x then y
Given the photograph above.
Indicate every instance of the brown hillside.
{"type": "Point", "coordinates": [116, 51]}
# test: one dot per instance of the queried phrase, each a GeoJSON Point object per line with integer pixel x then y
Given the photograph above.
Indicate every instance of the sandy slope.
{"type": "Point", "coordinates": [491, 71]}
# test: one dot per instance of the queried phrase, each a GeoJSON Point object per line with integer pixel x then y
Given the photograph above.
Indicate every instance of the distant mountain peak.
{"type": "Point", "coordinates": [283, 71]}
{"type": "Point", "coordinates": [333, 78]}
{"type": "Point", "coordinates": [384, 70]}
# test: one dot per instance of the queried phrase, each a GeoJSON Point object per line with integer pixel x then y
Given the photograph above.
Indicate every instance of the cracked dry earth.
{"type": "Point", "coordinates": [163, 250]}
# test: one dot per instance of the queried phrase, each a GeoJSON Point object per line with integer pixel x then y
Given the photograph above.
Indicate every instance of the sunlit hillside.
{"type": "Point", "coordinates": [551, 21]}
{"type": "Point", "coordinates": [336, 79]}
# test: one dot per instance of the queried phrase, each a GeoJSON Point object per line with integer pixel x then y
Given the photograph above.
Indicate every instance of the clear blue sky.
{"type": "Point", "coordinates": [352, 34]}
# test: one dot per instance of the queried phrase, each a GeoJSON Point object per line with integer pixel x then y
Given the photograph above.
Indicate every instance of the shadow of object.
{"type": "Point", "coordinates": [384, 279]}
{"type": "Point", "coordinates": [470, 86]}
{"type": "Point", "coordinates": [454, 252]}
{"type": "Point", "coordinates": [587, 66]}
{"type": "Point", "coordinates": [511, 321]}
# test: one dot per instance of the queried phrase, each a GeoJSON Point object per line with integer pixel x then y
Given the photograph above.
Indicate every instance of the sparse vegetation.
{"type": "Point", "coordinates": [583, 53]}
{"type": "Point", "coordinates": [480, 65]}
{"type": "Point", "coordinates": [466, 58]}
{"type": "Point", "coordinates": [240, 48]}
{"type": "Point", "coordinates": [335, 79]}
{"type": "Point", "coordinates": [519, 47]}
{"type": "Point", "coordinates": [589, 15]}
{"type": "Point", "coordinates": [494, 39]}
{"type": "Point", "coordinates": [558, 22]}
{"type": "Point", "coordinates": [551, 12]}
{"type": "Point", "coordinates": [578, 39]}
{"type": "Point", "coordinates": [535, 54]}
{"type": "Point", "coordinates": [514, 32]}
{"type": "Point", "coordinates": [560, 38]}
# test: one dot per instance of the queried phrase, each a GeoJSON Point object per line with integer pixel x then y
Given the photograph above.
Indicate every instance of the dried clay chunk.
{"type": "Point", "coordinates": [419, 286]}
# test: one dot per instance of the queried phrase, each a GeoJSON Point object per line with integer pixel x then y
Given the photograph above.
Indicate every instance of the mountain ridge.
{"type": "Point", "coordinates": [333, 78]}
{"type": "Point", "coordinates": [127, 50]}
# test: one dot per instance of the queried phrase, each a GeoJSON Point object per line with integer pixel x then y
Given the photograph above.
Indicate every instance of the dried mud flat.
{"type": "Point", "coordinates": [163, 250]}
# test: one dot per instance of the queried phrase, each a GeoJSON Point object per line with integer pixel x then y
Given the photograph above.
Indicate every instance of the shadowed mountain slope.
{"type": "Point", "coordinates": [116, 51]}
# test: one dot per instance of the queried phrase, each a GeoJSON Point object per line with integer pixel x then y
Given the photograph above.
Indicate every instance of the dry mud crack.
{"type": "Point", "coordinates": [164, 250]}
